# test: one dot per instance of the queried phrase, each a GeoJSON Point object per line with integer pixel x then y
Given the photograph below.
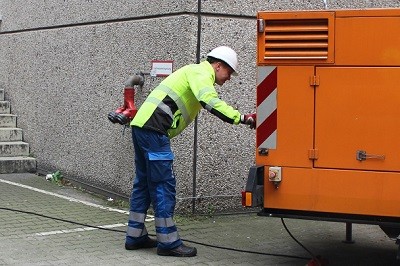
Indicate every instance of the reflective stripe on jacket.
{"type": "Point", "coordinates": [176, 102]}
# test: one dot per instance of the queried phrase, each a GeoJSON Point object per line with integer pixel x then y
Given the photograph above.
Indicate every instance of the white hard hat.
{"type": "Point", "coordinates": [226, 54]}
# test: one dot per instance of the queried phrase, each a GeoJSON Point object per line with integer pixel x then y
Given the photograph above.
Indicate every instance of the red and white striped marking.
{"type": "Point", "coordinates": [266, 106]}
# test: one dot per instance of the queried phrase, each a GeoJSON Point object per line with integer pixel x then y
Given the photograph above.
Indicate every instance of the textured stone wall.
{"type": "Point", "coordinates": [63, 64]}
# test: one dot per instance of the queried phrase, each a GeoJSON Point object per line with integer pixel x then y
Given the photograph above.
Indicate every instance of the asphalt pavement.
{"type": "Point", "coordinates": [42, 223]}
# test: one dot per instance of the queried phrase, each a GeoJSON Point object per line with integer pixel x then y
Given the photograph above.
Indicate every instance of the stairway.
{"type": "Point", "coordinates": [14, 153]}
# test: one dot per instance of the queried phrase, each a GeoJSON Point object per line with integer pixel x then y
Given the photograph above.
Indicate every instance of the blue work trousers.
{"type": "Point", "coordinates": [154, 183]}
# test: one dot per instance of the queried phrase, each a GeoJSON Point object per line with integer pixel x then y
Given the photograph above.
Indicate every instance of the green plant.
{"type": "Point", "coordinates": [118, 203]}
{"type": "Point", "coordinates": [211, 210]}
{"type": "Point", "coordinates": [57, 178]}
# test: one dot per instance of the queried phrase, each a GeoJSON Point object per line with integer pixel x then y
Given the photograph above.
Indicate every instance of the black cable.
{"type": "Point", "coordinates": [195, 129]}
{"type": "Point", "coordinates": [298, 242]}
{"type": "Point", "coordinates": [186, 240]}
{"type": "Point", "coordinates": [246, 251]}
{"type": "Point", "coordinates": [59, 219]}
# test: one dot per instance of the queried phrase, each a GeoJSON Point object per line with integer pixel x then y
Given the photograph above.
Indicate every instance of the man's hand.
{"type": "Point", "coordinates": [249, 119]}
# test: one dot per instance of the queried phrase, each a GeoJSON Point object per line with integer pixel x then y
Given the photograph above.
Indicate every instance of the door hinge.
{"type": "Point", "coordinates": [313, 154]}
{"type": "Point", "coordinates": [314, 81]}
{"type": "Point", "coordinates": [260, 25]}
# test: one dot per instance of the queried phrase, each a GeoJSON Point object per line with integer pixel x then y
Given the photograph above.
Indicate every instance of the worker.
{"type": "Point", "coordinates": [168, 110]}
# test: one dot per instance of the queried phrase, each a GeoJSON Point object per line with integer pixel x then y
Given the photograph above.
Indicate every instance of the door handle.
{"type": "Point", "coordinates": [363, 155]}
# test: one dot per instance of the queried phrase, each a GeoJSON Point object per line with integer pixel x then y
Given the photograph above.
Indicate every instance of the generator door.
{"type": "Point", "coordinates": [357, 118]}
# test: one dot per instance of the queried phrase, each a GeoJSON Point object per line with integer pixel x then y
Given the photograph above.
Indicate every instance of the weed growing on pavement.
{"type": "Point", "coordinates": [211, 210]}
{"type": "Point", "coordinates": [56, 178]}
{"type": "Point", "coordinates": [119, 203]}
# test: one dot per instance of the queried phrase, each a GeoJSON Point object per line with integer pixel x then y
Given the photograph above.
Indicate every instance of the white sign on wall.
{"type": "Point", "coordinates": [161, 68]}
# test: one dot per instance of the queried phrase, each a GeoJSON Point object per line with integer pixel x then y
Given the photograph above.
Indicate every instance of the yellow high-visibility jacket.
{"type": "Point", "coordinates": [176, 102]}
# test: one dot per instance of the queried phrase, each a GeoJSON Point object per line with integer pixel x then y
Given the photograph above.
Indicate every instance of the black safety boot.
{"type": "Point", "coordinates": [181, 251]}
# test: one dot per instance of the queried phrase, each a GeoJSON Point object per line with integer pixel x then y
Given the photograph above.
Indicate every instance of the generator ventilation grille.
{"type": "Point", "coordinates": [296, 39]}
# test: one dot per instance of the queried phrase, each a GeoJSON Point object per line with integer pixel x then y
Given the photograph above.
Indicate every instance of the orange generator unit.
{"type": "Point", "coordinates": [328, 117]}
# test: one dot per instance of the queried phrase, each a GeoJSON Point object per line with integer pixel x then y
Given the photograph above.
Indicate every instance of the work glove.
{"type": "Point", "coordinates": [249, 119]}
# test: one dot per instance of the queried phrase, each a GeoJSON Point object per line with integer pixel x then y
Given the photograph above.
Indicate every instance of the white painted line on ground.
{"type": "Point", "coordinates": [57, 232]}
{"type": "Point", "coordinates": [148, 217]}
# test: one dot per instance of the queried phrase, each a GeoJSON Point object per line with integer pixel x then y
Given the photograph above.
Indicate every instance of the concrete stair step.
{"type": "Point", "coordinates": [14, 153]}
{"type": "Point", "coordinates": [14, 149]}
{"type": "Point", "coordinates": [19, 164]}
{"type": "Point", "coordinates": [5, 107]}
{"type": "Point", "coordinates": [8, 120]}
{"type": "Point", "coordinates": [10, 134]}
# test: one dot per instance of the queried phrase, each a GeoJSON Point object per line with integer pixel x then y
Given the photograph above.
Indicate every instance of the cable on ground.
{"type": "Point", "coordinates": [315, 258]}
{"type": "Point", "coordinates": [186, 240]}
